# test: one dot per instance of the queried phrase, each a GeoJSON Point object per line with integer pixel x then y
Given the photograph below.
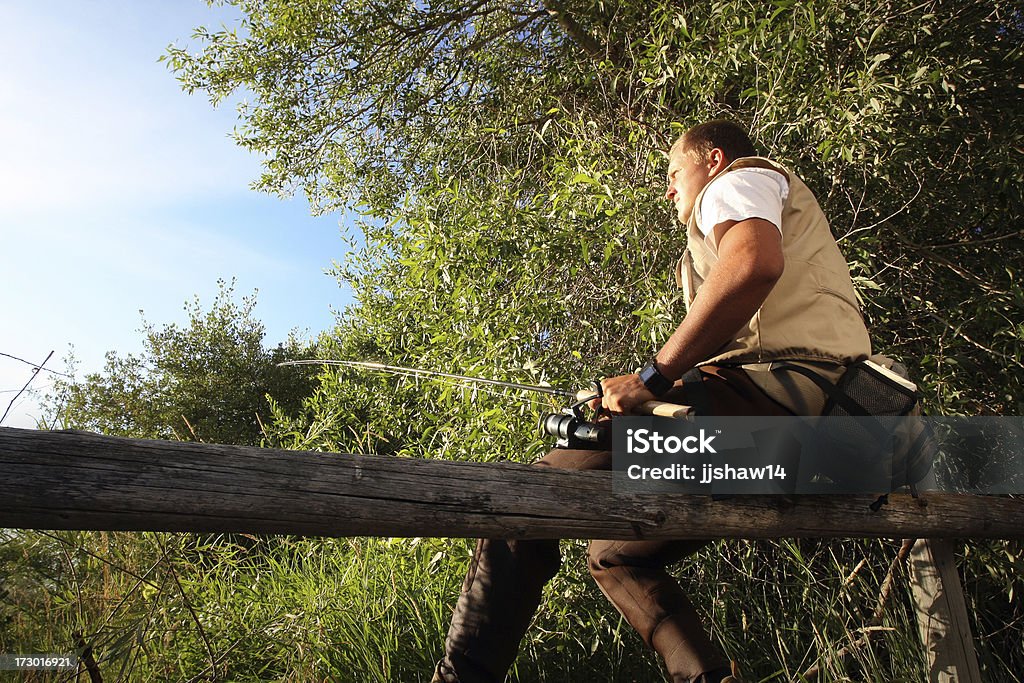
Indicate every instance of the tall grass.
{"type": "Point", "coordinates": [162, 607]}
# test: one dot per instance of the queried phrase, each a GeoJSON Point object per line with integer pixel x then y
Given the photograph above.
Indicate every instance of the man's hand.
{"type": "Point", "coordinates": [622, 394]}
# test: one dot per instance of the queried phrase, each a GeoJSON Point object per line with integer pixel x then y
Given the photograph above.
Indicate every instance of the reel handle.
{"type": "Point", "coordinates": [659, 408]}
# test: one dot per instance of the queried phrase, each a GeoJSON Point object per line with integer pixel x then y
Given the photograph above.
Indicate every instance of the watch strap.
{"type": "Point", "coordinates": [655, 382]}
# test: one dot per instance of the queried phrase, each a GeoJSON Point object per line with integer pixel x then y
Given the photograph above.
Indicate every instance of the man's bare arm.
{"type": "Point", "coordinates": [749, 264]}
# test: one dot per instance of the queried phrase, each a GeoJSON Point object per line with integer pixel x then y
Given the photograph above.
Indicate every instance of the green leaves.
{"type": "Point", "coordinates": [518, 172]}
{"type": "Point", "coordinates": [209, 381]}
{"type": "Point", "coordinates": [507, 162]}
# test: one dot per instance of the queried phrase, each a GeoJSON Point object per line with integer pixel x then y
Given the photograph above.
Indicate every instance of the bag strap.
{"type": "Point", "coordinates": [696, 393]}
{"type": "Point", "coordinates": [840, 398]}
{"type": "Point", "coordinates": [835, 394]}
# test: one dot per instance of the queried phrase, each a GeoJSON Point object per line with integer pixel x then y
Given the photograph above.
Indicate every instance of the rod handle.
{"type": "Point", "coordinates": [664, 409]}
{"type": "Point", "coordinates": [659, 408]}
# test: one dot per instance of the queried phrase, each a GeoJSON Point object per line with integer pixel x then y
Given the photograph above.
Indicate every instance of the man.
{"type": "Point", "coordinates": [764, 282]}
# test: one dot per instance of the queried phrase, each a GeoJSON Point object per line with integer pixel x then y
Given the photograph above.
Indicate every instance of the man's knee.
{"type": "Point", "coordinates": [569, 459]}
{"type": "Point", "coordinates": [602, 556]}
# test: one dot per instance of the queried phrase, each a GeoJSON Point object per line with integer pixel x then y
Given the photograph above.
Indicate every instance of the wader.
{"type": "Point", "coordinates": [503, 586]}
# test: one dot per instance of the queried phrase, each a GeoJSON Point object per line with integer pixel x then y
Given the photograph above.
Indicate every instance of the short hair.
{"type": "Point", "coordinates": [723, 134]}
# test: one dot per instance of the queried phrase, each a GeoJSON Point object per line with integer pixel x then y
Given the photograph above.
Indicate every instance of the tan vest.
{"type": "Point", "coordinates": [811, 312]}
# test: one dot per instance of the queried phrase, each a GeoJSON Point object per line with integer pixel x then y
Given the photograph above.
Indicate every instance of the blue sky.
{"type": "Point", "coordinates": [119, 192]}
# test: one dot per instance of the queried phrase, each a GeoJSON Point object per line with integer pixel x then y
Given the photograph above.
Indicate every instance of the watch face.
{"type": "Point", "coordinates": [655, 382]}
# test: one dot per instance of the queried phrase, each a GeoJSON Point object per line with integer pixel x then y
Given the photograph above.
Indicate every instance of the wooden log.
{"type": "Point", "coordinates": [75, 480]}
{"type": "Point", "coordinates": [942, 614]}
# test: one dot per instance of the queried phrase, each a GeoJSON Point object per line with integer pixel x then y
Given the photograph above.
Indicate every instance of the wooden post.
{"type": "Point", "coordinates": [74, 480]}
{"type": "Point", "coordinates": [942, 614]}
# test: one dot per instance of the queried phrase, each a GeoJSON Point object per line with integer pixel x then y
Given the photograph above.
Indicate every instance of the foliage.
{"type": "Point", "coordinates": [172, 607]}
{"type": "Point", "coordinates": [210, 380]}
{"type": "Point", "coordinates": [507, 160]}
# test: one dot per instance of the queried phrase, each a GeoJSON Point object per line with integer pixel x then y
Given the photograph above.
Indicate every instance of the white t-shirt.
{"type": "Point", "coordinates": [742, 194]}
{"type": "Point", "coordinates": [761, 193]}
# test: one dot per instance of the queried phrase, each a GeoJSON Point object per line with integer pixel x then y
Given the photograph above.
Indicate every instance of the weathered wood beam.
{"type": "Point", "coordinates": [76, 480]}
{"type": "Point", "coordinates": [941, 610]}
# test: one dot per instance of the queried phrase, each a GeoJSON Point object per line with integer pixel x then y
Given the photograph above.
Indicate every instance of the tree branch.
{"type": "Point", "coordinates": [575, 31]}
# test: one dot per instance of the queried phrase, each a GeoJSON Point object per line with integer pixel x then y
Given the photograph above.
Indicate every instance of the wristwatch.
{"type": "Point", "coordinates": [655, 382]}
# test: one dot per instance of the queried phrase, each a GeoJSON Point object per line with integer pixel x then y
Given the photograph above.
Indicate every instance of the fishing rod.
{"type": "Point", "coordinates": [415, 372]}
{"type": "Point", "coordinates": [570, 426]}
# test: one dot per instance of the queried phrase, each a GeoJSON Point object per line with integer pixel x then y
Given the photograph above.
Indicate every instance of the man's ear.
{"type": "Point", "coordinates": [717, 161]}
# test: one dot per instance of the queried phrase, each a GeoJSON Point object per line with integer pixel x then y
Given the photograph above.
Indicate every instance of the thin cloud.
{"type": "Point", "coordinates": [82, 127]}
{"type": "Point", "coordinates": [118, 192]}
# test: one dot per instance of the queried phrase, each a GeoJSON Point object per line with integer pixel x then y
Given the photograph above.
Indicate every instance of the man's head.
{"type": "Point", "coordinates": [699, 155]}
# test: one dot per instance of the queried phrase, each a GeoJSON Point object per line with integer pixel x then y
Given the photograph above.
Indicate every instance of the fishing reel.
{"type": "Point", "coordinates": [573, 430]}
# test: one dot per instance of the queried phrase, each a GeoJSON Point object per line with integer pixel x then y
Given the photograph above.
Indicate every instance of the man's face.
{"type": "Point", "coordinates": [687, 176]}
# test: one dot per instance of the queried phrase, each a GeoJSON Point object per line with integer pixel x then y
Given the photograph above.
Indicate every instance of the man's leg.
{"type": "Point", "coordinates": [499, 596]}
{"type": "Point", "coordinates": [632, 576]}
{"type": "Point", "coordinates": [632, 573]}
{"type": "Point", "coordinates": [505, 578]}
{"type": "Point", "coordinates": [501, 593]}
